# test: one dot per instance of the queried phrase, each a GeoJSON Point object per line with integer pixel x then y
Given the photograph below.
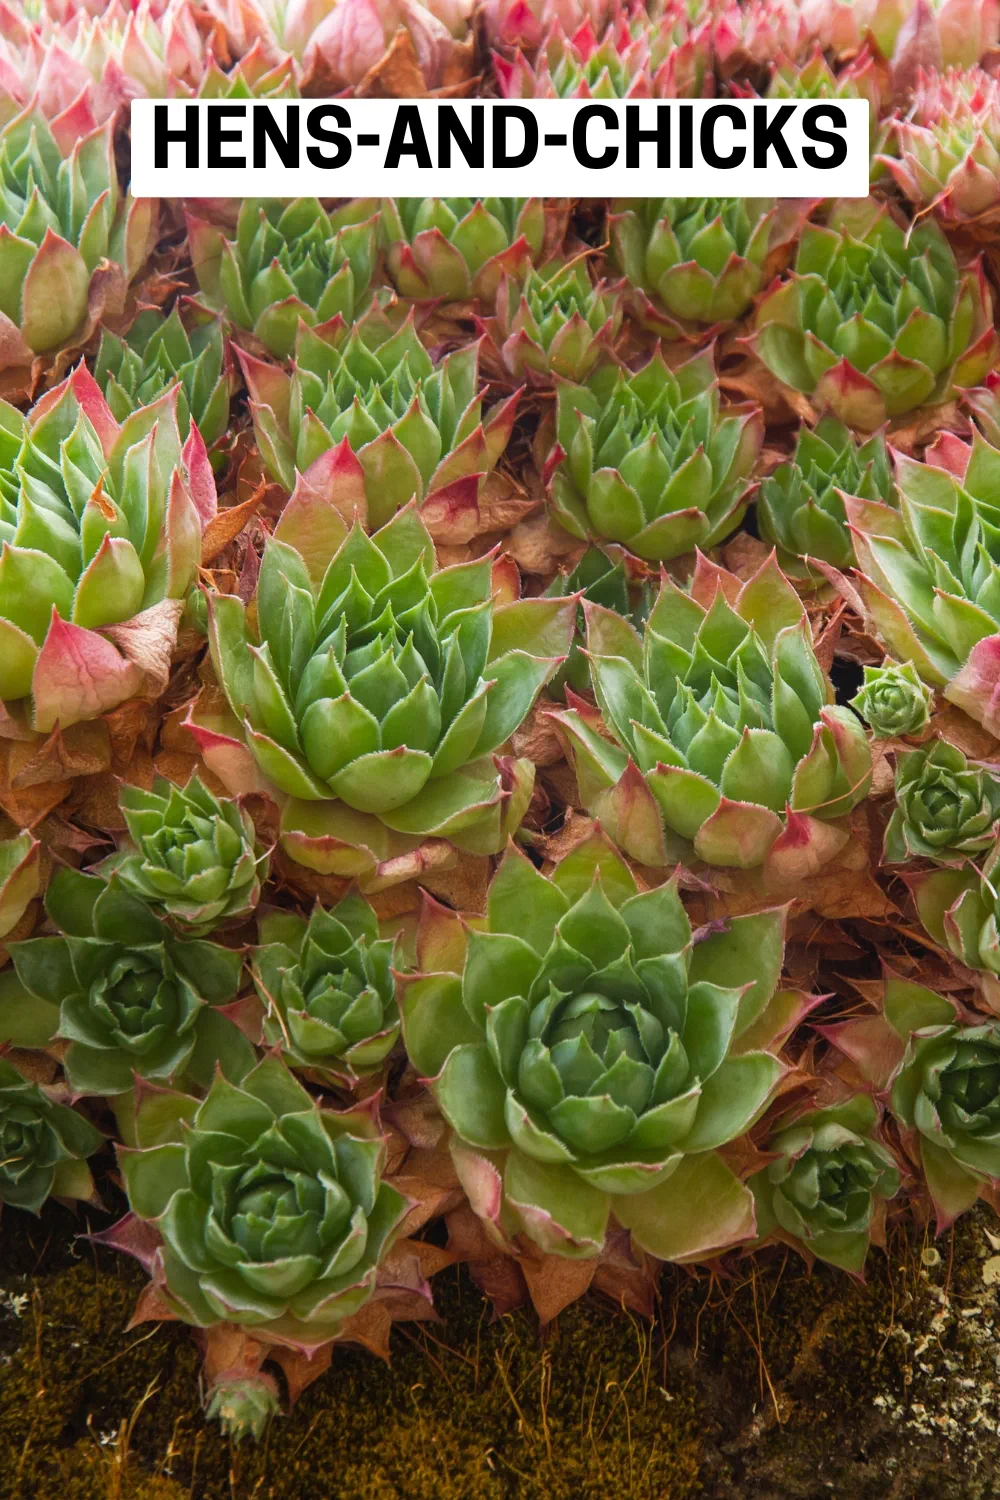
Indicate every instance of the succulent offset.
{"type": "Point", "coordinates": [946, 810]}
{"type": "Point", "coordinates": [587, 1056]}
{"type": "Point", "coordinates": [875, 319]}
{"type": "Point", "coordinates": [329, 991]}
{"type": "Point", "coordinates": [190, 856]}
{"type": "Point", "coordinates": [960, 908]}
{"type": "Point", "coordinates": [648, 459]}
{"type": "Point", "coordinates": [726, 746]}
{"type": "Point", "coordinates": [893, 700]}
{"type": "Point", "coordinates": [945, 1095]}
{"type": "Point", "coordinates": [824, 1187]}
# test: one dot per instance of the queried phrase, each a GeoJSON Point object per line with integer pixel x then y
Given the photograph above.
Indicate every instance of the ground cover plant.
{"type": "Point", "coordinates": [499, 699]}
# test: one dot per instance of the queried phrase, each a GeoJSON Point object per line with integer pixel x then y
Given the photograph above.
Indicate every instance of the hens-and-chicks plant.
{"type": "Point", "coordinates": [499, 699]}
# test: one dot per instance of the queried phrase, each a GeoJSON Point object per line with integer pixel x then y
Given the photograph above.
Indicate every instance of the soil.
{"type": "Point", "coordinates": [768, 1381]}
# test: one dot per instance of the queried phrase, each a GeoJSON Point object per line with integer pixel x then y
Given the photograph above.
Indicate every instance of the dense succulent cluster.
{"type": "Point", "coordinates": [450, 646]}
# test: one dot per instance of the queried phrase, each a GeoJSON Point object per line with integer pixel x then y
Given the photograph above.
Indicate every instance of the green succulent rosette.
{"type": "Point", "coordinates": [649, 461]}
{"type": "Point", "coordinates": [366, 415]}
{"type": "Point", "coordinates": [692, 260]}
{"type": "Point", "coordinates": [893, 701]}
{"type": "Point", "coordinates": [825, 1185]}
{"type": "Point", "coordinates": [372, 690]}
{"type": "Point", "coordinates": [290, 262]}
{"type": "Point", "coordinates": [945, 1096]}
{"type": "Point", "coordinates": [244, 1405]}
{"type": "Point", "coordinates": [271, 1211]}
{"type": "Point", "coordinates": [601, 577]}
{"type": "Point", "coordinates": [876, 319]}
{"type": "Point", "coordinates": [459, 248]}
{"type": "Point", "coordinates": [800, 507]}
{"type": "Point", "coordinates": [68, 236]}
{"type": "Point", "coordinates": [960, 908]}
{"type": "Point", "coordinates": [329, 990]}
{"type": "Point", "coordinates": [931, 571]}
{"type": "Point", "coordinates": [159, 351]}
{"type": "Point", "coordinates": [590, 1056]}
{"type": "Point", "coordinates": [946, 810]}
{"type": "Point", "coordinates": [44, 1145]}
{"type": "Point", "coordinates": [191, 856]}
{"type": "Point", "coordinates": [726, 745]}
{"type": "Point", "coordinates": [130, 999]}
{"type": "Point", "coordinates": [555, 320]}
{"type": "Point", "coordinates": [101, 528]}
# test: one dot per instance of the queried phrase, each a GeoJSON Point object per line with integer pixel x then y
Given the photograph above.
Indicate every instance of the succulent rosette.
{"type": "Point", "coordinates": [130, 999]}
{"type": "Point", "coordinates": [602, 577]}
{"type": "Point", "coordinates": [722, 741]}
{"type": "Point", "coordinates": [554, 321]}
{"type": "Point", "coordinates": [328, 986]}
{"type": "Point", "coordinates": [190, 856]}
{"type": "Point", "coordinates": [271, 1211]}
{"type": "Point", "coordinates": [893, 701]}
{"type": "Point", "coordinates": [20, 879]}
{"type": "Point", "coordinates": [938, 1067]}
{"type": "Point", "coordinates": [946, 1096]}
{"type": "Point", "coordinates": [875, 319]}
{"type": "Point", "coordinates": [367, 415]}
{"type": "Point", "coordinates": [930, 571]}
{"type": "Point", "coordinates": [158, 352]}
{"type": "Point", "coordinates": [960, 909]}
{"type": "Point", "coordinates": [635, 57]}
{"type": "Point", "coordinates": [373, 688]}
{"type": "Point", "coordinates": [947, 149]}
{"type": "Point", "coordinates": [44, 1145]}
{"type": "Point", "coordinates": [946, 810]}
{"type": "Point", "coordinates": [100, 541]}
{"type": "Point", "coordinates": [800, 506]}
{"type": "Point", "coordinates": [649, 461]}
{"type": "Point", "coordinates": [694, 260]}
{"type": "Point", "coordinates": [70, 243]}
{"type": "Point", "coordinates": [290, 261]}
{"type": "Point", "coordinates": [826, 1184]}
{"type": "Point", "coordinates": [460, 248]}
{"type": "Point", "coordinates": [591, 1057]}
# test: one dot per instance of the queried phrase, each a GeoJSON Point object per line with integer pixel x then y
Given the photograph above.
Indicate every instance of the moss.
{"type": "Point", "coordinates": [773, 1383]}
